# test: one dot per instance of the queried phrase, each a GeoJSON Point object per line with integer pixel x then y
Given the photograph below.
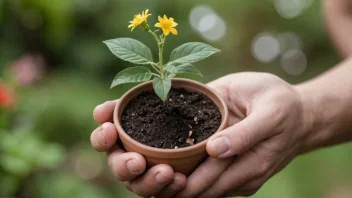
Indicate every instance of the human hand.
{"type": "Point", "coordinates": [268, 123]}
{"type": "Point", "coordinates": [129, 167]}
{"type": "Point", "coordinates": [266, 128]}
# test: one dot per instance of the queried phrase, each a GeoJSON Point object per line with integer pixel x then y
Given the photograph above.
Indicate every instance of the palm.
{"type": "Point", "coordinates": [237, 90]}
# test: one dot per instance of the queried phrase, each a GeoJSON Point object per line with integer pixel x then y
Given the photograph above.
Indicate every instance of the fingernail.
{"type": "Point", "coordinates": [133, 166]}
{"type": "Point", "coordinates": [96, 108]}
{"type": "Point", "coordinates": [221, 145]}
{"type": "Point", "coordinates": [102, 137]}
{"type": "Point", "coordinates": [161, 178]}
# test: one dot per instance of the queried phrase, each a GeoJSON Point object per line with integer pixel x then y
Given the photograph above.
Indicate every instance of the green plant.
{"type": "Point", "coordinates": [133, 51]}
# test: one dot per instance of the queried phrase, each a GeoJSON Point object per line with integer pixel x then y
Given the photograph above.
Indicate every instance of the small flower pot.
{"type": "Point", "coordinates": [183, 160]}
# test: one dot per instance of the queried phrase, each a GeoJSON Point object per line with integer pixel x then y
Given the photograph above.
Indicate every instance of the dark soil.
{"type": "Point", "coordinates": [185, 118]}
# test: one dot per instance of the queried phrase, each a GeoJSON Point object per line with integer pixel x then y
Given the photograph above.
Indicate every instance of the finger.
{"type": "Point", "coordinates": [153, 181]}
{"type": "Point", "coordinates": [248, 188]}
{"type": "Point", "coordinates": [242, 136]}
{"type": "Point", "coordinates": [244, 169]}
{"type": "Point", "coordinates": [125, 166]}
{"type": "Point", "coordinates": [177, 184]}
{"type": "Point", "coordinates": [104, 137]}
{"type": "Point", "coordinates": [104, 112]}
{"type": "Point", "coordinates": [204, 176]}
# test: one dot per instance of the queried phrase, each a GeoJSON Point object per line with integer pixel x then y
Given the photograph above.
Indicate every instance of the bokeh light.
{"type": "Point", "coordinates": [265, 47]}
{"type": "Point", "coordinates": [291, 8]}
{"type": "Point", "coordinates": [209, 24]}
{"type": "Point", "coordinates": [87, 168]}
{"type": "Point", "coordinates": [294, 62]}
{"type": "Point", "coordinates": [289, 40]}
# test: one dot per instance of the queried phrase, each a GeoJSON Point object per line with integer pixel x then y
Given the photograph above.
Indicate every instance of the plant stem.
{"type": "Point", "coordinates": [161, 66]}
{"type": "Point", "coordinates": [155, 36]}
{"type": "Point", "coordinates": [160, 43]}
{"type": "Point", "coordinates": [155, 67]}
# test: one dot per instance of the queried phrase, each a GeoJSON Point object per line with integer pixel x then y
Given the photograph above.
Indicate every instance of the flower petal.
{"type": "Point", "coordinates": [158, 25]}
{"type": "Point", "coordinates": [160, 19]}
{"type": "Point", "coordinates": [166, 31]}
{"type": "Point", "coordinates": [165, 17]}
{"type": "Point", "coordinates": [173, 31]}
{"type": "Point", "coordinates": [174, 24]}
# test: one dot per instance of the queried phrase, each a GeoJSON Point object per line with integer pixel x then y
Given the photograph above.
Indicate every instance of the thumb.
{"type": "Point", "coordinates": [242, 136]}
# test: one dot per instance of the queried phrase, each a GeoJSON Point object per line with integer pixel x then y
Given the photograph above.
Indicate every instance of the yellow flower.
{"type": "Point", "coordinates": [167, 24]}
{"type": "Point", "coordinates": [139, 19]}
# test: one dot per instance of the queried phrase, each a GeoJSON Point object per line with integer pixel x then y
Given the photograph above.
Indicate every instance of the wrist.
{"type": "Point", "coordinates": [321, 114]}
{"type": "Point", "coordinates": [324, 116]}
{"type": "Point", "coordinates": [311, 119]}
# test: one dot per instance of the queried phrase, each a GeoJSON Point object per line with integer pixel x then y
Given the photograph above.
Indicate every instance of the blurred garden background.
{"type": "Point", "coordinates": [55, 69]}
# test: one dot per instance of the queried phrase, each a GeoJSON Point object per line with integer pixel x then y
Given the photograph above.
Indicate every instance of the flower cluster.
{"type": "Point", "coordinates": [139, 19]}
{"type": "Point", "coordinates": [166, 24]}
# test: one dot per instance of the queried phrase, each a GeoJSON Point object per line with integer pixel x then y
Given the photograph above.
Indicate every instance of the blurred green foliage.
{"type": "Point", "coordinates": [45, 149]}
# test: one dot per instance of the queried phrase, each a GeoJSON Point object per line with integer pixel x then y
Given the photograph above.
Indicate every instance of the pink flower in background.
{"type": "Point", "coordinates": [7, 96]}
{"type": "Point", "coordinates": [28, 69]}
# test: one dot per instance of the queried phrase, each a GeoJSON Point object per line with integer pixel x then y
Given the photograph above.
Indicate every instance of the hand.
{"type": "Point", "coordinates": [266, 130]}
{"type": "Point", "coordinates": [129, 168]}
{"type": "Point", "coordinates": [268, 123]}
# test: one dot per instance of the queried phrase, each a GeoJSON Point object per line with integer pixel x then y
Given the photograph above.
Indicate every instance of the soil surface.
{"type": "Point", "coordinates": [186, 118]}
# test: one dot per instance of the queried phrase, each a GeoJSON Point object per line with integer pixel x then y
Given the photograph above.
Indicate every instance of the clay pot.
{"type": "Point", "coordinates": [183, 160]}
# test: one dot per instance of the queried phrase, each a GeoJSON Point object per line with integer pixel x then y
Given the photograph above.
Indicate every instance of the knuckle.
{"type": "Point", "coordinates": [278, 114]}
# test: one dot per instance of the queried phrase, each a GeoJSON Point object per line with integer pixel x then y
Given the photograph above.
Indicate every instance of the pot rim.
{"type": "Point", "coordinates": [197, 148]}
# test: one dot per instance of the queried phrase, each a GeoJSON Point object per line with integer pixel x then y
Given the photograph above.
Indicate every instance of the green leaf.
{"type": "Point", "coordinates": [161, 87]}
{"type": "Point", "coordinates": [171, 76]}
{"type": "Point", "coordinates": [130, 50]}
{"type": "Point", "coordinates": [184, 68]}
{"type": "Point", "coordinates": [132, 75]}
{"type": "Point", "coordinates": [192, 52]}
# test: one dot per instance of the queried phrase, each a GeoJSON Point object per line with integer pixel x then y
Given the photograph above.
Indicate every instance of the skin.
{"type": "Point", "coordinates": [271, 122]}
{"type": "Point", "coordinates": [338, 16]}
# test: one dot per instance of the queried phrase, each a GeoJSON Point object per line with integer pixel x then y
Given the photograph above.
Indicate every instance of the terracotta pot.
{"type": "Point", "coordinates": [183, 160]}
